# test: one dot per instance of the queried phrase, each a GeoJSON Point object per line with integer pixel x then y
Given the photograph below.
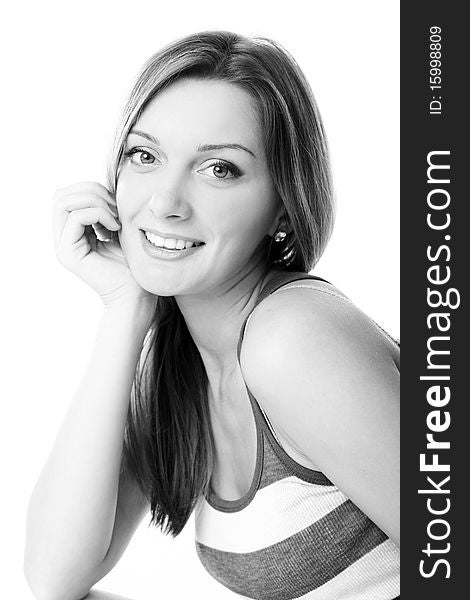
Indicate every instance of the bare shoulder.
{"type": "Point", "coordinates": [314, 317]}
{"type": "Point", "coordinates": [310, 355]}
{"type": "Point", "coordinates": [327, 377]}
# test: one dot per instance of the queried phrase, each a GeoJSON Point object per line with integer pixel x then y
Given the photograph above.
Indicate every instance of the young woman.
{"type": "Point", "coordinates": [224, 379]}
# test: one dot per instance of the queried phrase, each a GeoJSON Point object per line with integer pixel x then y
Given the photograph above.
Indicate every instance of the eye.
{"type": "Point", "coordinates": [219, 169]}
{"type": "Point", "coordinates": [141, 157]}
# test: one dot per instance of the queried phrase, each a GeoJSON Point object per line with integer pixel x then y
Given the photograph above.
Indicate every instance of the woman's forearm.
{"type": "Point", "coordinates": [72, 508]}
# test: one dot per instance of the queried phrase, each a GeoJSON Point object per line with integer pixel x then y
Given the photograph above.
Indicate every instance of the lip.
{"type": "Point", "coordinates": [172, 235]}
{"type": "Point", "coordinates": [166, 253]}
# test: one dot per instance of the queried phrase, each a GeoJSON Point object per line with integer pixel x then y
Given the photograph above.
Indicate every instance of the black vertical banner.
{"type": "Point", "coordinates": [435, 271]}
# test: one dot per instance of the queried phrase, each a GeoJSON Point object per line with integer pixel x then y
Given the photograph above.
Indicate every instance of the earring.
{"type": "Point", "coordinates": [280, 236]}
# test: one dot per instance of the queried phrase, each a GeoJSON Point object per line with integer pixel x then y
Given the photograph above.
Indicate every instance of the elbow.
{"type": "Point", "coordinates": [46, 592]}
{"type": "Point", "coordinates": [50, 579]}
{"type": "Point", "coordinates": [45, 586]}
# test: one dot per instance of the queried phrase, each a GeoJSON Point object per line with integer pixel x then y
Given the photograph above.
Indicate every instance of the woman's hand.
{"type": "Point", "coordinates": [85, 224]}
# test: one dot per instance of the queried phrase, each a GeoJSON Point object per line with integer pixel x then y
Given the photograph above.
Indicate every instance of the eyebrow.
{"type": "Point", "coordinates": [145, 135]}
{"type": "Point", "coordinates": [205, 147]}
{"type": "Point", "coordinates": [200, 148]}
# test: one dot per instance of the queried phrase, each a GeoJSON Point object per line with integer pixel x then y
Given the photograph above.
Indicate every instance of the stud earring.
{"type": "Point", "coordinates": [280, 236]}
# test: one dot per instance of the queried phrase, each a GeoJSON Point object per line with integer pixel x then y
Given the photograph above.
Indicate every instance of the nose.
{"type": "Point", "coordinates": [170, 201]}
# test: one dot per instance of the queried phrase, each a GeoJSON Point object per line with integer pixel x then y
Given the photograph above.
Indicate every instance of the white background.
{"type": "Point", "coordinates": [67, 67]}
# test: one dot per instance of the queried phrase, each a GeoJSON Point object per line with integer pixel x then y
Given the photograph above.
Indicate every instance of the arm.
{"type": "Point", "coordinates": [78, 524]}
{"type": "Point", "coordinates": [327, 379]}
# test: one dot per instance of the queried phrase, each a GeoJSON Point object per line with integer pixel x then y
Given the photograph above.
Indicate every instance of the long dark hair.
{"type": "Point", "coordinates": [168, 443]}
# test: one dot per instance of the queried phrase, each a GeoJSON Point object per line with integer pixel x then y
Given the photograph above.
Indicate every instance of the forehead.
{"type": "Point", "coordinates": [202, 111]}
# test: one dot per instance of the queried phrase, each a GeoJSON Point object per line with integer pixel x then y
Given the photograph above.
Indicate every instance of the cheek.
{"type": "Point", "coordinates": [248, 217]}
{"type": "Point", "coordinates": [129, 195]}
{"type": "Point", "coordinates": [122, 196]}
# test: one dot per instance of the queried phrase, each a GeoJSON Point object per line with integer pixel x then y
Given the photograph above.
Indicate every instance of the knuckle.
{"type": "Point", "coordinates": [100, 202]}
{"type": "Point", "coordinates": [75, 216]}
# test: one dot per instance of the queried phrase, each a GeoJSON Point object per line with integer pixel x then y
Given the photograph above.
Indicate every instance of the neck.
{"type": "Point", "coordinates": [214, 319]}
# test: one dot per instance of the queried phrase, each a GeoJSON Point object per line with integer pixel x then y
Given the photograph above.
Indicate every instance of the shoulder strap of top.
{"type": "Point", "coordinates": [262, 420]}
{"type": "Point", "coordinates": [282, 278]}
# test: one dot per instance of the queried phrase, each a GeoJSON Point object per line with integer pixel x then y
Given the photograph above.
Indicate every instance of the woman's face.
{"type": "Point", "coordinates": [194, 169]}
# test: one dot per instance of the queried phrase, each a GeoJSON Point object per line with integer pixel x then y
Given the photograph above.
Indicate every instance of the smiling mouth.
{"type": "Point", "coordinates": [169, 243]}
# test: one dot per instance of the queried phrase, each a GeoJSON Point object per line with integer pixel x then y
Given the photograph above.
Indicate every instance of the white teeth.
{"type": "Point", "coordinates": [154, 238]}
{"type": "Point", "coordinates": [169, 243]}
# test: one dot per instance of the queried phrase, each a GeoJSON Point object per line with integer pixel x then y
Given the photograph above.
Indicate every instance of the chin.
{"type": "Point", "coordinates": [157, 290]}
{"type": "Point", "coordinates": [160, 284]}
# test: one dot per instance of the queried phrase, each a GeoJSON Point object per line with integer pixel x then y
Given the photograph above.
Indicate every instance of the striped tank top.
{"type": "Point", "coordinates": [294, 534]}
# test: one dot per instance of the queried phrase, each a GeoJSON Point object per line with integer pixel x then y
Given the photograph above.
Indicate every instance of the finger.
{"type": "Point", "coordinates": [78, 219]}
{"type": "Point", "coordinates": [102, 233]}
{"type": "Point", "coordinates": [80, 201]}
{"type": "Point", "coordinates": [69, 203]}
{"type": "Point", "coordinates": [92, 187]}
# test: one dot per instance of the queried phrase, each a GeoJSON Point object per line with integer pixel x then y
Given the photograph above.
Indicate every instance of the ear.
{"type": "Point", "coordinates": [282, 221]}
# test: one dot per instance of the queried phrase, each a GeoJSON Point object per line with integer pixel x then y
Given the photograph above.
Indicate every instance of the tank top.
{"type": "Point", "coordinates": [294, 534]}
